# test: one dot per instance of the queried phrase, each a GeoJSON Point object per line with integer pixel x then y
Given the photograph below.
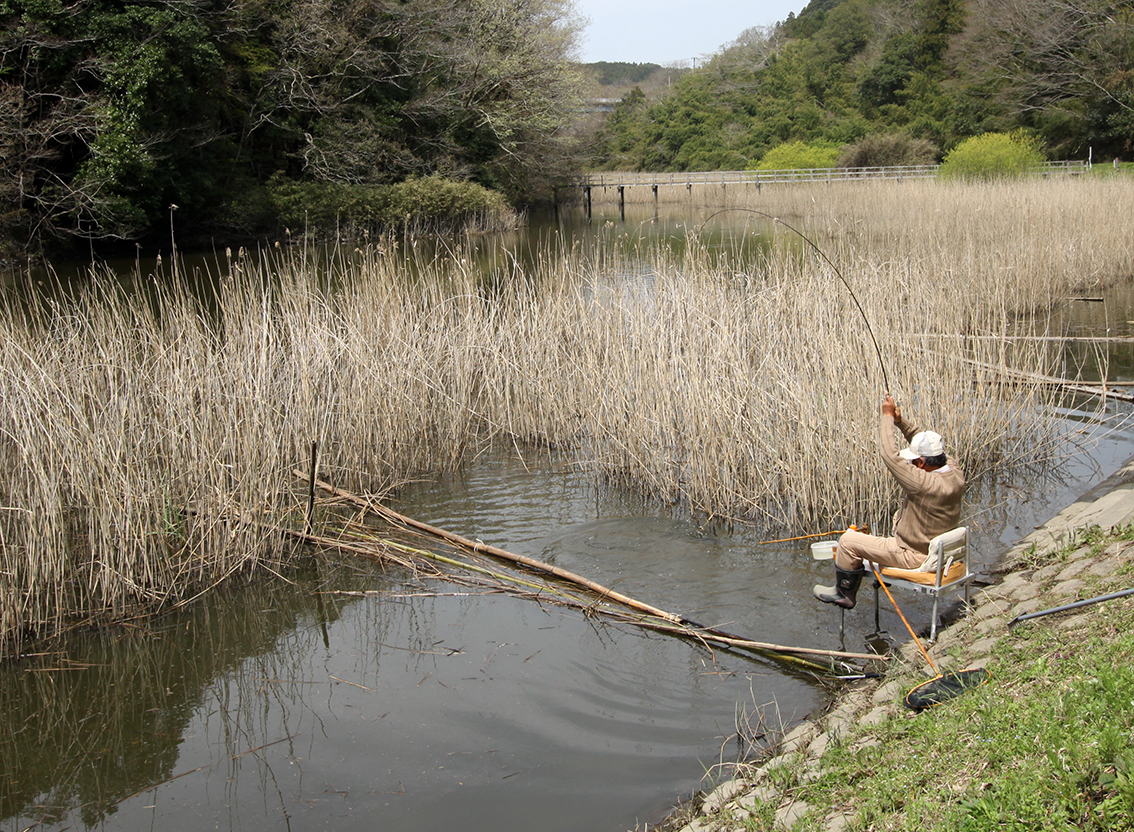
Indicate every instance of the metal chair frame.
{"type": "Point", "coordinates": [947, 555]}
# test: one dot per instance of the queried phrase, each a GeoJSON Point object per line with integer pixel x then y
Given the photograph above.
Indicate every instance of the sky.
{"type": "Point", "coordinates": [665, 31]}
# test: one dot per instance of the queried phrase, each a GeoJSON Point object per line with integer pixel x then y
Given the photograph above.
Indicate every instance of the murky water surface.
{"type": "Point", "coordinates": [353, 698]}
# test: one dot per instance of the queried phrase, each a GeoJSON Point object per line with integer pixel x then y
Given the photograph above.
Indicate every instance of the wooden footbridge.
{"type": "Point", "coordinates": [621, 180]}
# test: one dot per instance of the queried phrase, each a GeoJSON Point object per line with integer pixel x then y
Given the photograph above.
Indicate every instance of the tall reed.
{"type": "Point", "coordinates": [148, 438]}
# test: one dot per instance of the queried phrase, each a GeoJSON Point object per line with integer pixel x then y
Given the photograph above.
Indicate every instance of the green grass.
{"type": "Point", "coordinates": [1102, 170]}
{"type": "Point", "coordinates": [1048, 744]}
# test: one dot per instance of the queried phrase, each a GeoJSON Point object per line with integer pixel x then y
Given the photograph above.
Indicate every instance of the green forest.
{"type": "Point", "coordinates": [238, 112]}
{"type": "Point", "coordinates": [230, 118]}
{"type": "Point", "coordinates": [931, 73]}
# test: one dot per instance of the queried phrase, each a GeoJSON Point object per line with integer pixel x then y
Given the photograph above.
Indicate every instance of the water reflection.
{"type": "Point", "coordinates": [420, 706]}
{"type": "Point", "coordinates": [87, 727]}
{"type": "Point", "coordinates": [499, 258]}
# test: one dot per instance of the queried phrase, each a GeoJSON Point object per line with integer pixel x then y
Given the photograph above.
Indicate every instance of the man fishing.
{"type": "Point", "coordinates": [933, 485]}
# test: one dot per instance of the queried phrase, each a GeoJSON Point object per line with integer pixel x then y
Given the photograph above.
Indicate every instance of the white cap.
{"type": "Point", "coordinates": [924, 445]}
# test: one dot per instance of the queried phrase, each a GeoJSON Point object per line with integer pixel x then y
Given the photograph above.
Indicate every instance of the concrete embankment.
{"type": "Point", "coordinates": [1027, 578]}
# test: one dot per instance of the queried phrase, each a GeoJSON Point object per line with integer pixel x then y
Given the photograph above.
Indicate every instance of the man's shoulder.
{"type": "Point", "coordinates": [952, 473]}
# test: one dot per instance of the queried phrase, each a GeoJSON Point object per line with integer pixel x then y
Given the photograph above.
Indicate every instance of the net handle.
{"type": "Point", "coordinates": [898, 610]}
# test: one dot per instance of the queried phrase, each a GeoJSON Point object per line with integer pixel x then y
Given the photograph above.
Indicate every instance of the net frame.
{"type": "Point", "coordinates": [944, 687]}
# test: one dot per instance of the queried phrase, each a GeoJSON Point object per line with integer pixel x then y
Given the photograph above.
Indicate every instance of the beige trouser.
{"type": "Point", "coordinates": [855, 547]}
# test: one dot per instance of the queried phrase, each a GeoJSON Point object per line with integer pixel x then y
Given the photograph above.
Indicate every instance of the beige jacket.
{"type": "Point", "coordinates": [932, 501]}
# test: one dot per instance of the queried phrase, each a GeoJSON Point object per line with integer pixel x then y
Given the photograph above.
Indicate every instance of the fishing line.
{"type": "Point", "coordinates": [828, 261]}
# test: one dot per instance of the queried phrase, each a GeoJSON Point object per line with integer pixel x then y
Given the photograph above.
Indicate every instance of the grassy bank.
{"type": "Point", "coordinates": [418, 205]}
{"type": "Point", "coordinates": [149, 438]}
{"type": "Point", "coordinates": [1047, 744]}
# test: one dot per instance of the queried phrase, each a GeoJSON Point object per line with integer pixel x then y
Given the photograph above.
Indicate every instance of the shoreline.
{"type": "Point", "coordinates": [1023, 580]}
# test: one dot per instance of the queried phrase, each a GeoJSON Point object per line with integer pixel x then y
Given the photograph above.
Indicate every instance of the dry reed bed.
{"type": "Point", "coordinates": [147, 445]}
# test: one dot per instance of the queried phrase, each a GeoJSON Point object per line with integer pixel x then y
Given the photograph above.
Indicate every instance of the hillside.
{"type": "Point", "coordinates": [932, 70]}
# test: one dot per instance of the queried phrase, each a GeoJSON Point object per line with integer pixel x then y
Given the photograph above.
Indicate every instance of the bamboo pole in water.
{"type": "Point", "coordinates": [673, 623]}
{"type": "Point", "coordinates": [1099, 390]}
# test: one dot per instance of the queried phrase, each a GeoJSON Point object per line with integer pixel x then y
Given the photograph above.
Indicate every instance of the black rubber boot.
{"type": "Point", "coordinates": [844, 591]}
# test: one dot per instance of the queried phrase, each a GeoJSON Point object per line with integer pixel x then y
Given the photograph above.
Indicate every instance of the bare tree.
{"type": "Point", "coordinates": [507, 88]}
{"type": "Point", "coordinates": [385, 90]}
{"type": "Point", "coordinates": [1052, 55]}
{"type": "Point", "coordinates": [40, 120]}
{"type": "Point", "coordinates": [756, 45]}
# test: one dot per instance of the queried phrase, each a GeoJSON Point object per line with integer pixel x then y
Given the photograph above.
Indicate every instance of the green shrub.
{"type": "Point", "coordinates": [799, 156]}
{"type": "Point", "coordinates": [886, 149]}
{"type": "Point", "coordinates": [436, 199]}
{"type": "Point", "coordinates": [993, 156]}
{"type": "Point", "coordinates": [306, 205]}
{"type": "Point", "coordinates": [422, 203]}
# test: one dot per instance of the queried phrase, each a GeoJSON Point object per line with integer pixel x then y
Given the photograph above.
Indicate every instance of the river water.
{"type": "Point", "coordinates": [351, 697]}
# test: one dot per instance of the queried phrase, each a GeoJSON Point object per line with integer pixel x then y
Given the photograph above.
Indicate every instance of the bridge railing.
{"type": "Point", "coordinates": [726, 177]}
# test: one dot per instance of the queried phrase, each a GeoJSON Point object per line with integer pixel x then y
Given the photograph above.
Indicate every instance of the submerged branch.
{"type": "Point", "coordinates": [1102, 390]}
{"type": "Point", "coordinates": [648, 616]}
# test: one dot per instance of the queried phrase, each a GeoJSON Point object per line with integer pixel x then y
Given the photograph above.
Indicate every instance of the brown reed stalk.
{"type": "Point", "coordinates": [140, 432]}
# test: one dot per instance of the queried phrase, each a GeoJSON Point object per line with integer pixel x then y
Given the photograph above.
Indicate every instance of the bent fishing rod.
{"type": "Point", "coordinates": [828, 261]}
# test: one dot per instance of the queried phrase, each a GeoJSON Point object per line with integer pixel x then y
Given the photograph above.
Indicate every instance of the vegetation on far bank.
{"type": "Point", "coordinates": [425, 204]}
{"type": "Point", "coordinates": [111, 113]}
{"type": "Point", "coordinates": [934, 71]}
{"type": "Point", "coordinates": [991, 156]}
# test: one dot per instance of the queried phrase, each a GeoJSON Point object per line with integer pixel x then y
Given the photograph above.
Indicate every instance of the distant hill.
{"type": "Point", "coordinates": [620, 73]}
{"type": "Point", "coordinates": [936, 71]}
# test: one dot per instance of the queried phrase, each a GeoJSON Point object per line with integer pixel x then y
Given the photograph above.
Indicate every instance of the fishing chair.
{"type": "Point", "coordinates": [951, 549]}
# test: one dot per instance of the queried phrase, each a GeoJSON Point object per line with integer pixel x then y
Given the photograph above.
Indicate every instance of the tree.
{"type": "Point", "coordinates": [510, 91]}
{"type": "Point", "coordinates": [110, 112]}
{"type": "Point", "coordinates": [886, 81]}
{"type": "Point", "coordinates": [756, 46]}
{"type": "Point", "coordinates": [40, 125]}
{"type": "Point", "coordinates": [1058, 65]}
{"type": "Point", "coordinates": [383, 90]}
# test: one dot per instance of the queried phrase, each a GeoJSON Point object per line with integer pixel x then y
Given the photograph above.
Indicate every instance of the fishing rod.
{"type": "Point", "coordinates": [863, 529]}
{"type": "Point", "coordinates": [1078, 604]}
{"type": "Point", "coordinates": [828, 261]}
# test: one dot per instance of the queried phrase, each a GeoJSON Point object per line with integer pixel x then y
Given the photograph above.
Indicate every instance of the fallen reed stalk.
{"type": "Point", "coordinates": [1101, 391]}
{"type": "Point", "coordinates": [475, 546]}
{"type": "Point", "coordinates": [355, 538]}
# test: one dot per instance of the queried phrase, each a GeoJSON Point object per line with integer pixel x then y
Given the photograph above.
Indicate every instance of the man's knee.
{"type": "Point", "coordinates": [849, 550]}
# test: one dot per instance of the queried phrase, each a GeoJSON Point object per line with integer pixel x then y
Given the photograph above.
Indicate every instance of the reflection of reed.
{"type": "Point", "coordinates": [139, 436]}
{"type": "Point", "coordinates": [76, 737]}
